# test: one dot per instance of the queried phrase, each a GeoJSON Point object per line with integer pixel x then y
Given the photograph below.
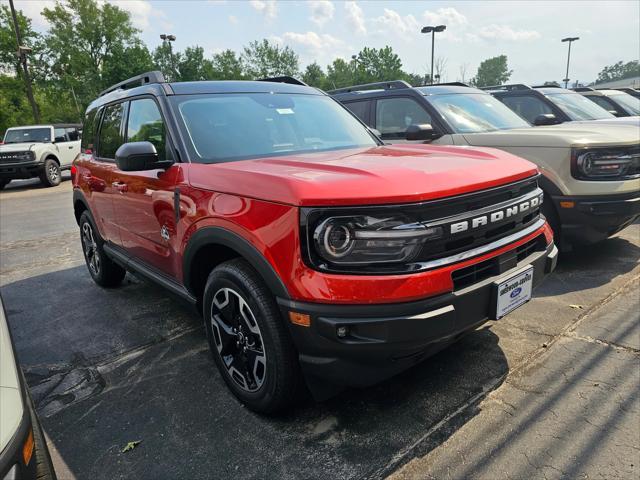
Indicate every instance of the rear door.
{"type": "Point", "coordinates": [145, 202]}
{"type": "Point", "coordinates": [64, 146]}
{"type": "Point", "coordinates": [74, 142]}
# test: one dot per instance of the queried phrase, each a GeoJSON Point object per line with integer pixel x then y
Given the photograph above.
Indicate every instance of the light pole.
{"type": "Point", "coordinates": [355, 66]}
{"type": "Point", "coordinates": [432, 31]}
{"type": "Point", "coordinates": [568, 39]}
{"type": "Point", "coordinates": [169, 39]}
{"type": "Point", "coordinates": [22, 55]}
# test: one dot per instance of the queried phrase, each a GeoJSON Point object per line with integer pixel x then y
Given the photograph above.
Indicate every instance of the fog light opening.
{"type": "Point", "coordinates": [342, 331]}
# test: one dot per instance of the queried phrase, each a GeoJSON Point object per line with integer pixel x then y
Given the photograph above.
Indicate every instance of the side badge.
{"type": "Point", "coordinates": [164, 232]}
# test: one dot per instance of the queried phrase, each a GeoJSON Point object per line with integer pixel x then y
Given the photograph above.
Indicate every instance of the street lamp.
{"type": "Point", "coordinates": [169, 38]}
{"type": "Point", "coordinates": [568, 39]}
{"type": "Point", "coordinates": [432, 31]}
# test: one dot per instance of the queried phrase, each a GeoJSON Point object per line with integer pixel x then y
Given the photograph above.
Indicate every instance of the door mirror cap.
{"type": "Point", "coordinates": [545, 119]}
{"type": "Point", "coordinates": [375, 132]}
{"type": "Point", "coordinates": [422, 131]}
{"type": "Point", "coordinates": [139, 156]}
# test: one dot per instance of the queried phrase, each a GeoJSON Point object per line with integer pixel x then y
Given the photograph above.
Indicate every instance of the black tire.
{"type": "Point", "coordinates": [104, 271]}
{"type": "Point", "coordinates": [550, 213]}
{"type": "Point", "coordinates": [4, 183]}
{"type": "Point", "coordinates": [44, 466]}
{"type": "Point", "coordinates": [50, 175]}
{"type": "Point", "coordinates": [261, 338]}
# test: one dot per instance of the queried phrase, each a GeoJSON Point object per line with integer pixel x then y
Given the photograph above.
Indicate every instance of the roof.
{"type": "Point", "coordinates": [446, 89]}
{"type": "Point", "coordinates": [240, 86]}
{"type": "Point", "coordinates": [46, 125]}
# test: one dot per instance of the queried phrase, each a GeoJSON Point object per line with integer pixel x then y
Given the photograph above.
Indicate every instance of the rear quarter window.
{"type": "Point", "coordinates": [89, 131]}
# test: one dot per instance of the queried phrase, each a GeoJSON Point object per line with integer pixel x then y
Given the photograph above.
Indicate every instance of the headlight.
{"type": "Point", "coordinates": [606, 164]}
{"type": "Point", "coordinates": [365, 239]}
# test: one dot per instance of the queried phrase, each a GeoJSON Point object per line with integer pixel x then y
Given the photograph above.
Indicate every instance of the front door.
{"type": "Point", "coordinates": [144, 204]}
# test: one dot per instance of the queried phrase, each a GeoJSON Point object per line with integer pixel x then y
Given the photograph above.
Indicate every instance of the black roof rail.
{"type": "Point", "coordinates": [451, 84]}
{"type": "Point", "coordinates": [508, 87]}
{"type": "Point", "coordinates": [392, 84]}
{"type": "Point", "coordinates": [142, 79]}
{"type": "Point", "coordinates": [284, 79]}
{"type": "Point", "coordinates": [583, 89]}
{"type": "Point", "coordinates": [553, 85]}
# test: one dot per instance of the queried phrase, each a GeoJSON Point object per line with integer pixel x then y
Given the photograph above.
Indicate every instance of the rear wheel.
{"type": "Point", "coordinates": [249, 341]}
{"type": "Point", "coordinates": [104, 271]}
{"type": "Point", "coordinates": [50, 175]}
{"type": "Point", "coordinates": [4, 183]}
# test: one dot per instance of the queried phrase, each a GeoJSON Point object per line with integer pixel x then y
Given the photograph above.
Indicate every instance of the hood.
{"type": "Point", "coordinates": [634, 120]}
{"type": "Point", "coordinates": [564, 135]}
{"type": "Point", "coordinates": [17, 147]}
{"type": "Point", "coordinates": [364, 176]}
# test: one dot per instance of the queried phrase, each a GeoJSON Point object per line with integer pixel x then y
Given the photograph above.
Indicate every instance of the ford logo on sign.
{"type": "Point", "coordinates": [516, 292]}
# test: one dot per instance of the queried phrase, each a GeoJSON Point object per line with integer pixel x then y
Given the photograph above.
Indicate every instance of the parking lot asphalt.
{"type": "Point", "coordinates": [108, 367]}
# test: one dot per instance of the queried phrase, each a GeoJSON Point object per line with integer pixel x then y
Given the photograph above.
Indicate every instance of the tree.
{"type": "Point", "coordinates": [227, 66]}
{"type": "Point", "coordinates": [463, 72]}
{"type": "Point", "coordinates": [414, 79]}
{"type": "Point", "coordinates": [265, 59]}
{"type": "Point", "coordinates": [619, 71]}
{"type": "Point", "coordinates": [9, 61]}
{"type": "Point", "coordinates": [440, 67]}
{"type": "Point", "coordinates": [492, 71]}
{"type": "Point", "coordinates": [192, 65]}
{"type": "Point", "coordinates": [340, 74]}
{"type": "Point", "coordinates": [378, 65]}
{"type": "Point", "coordinates": [83, 39]}
{"type": "Point", "coordinates": [314, 76]}
{"type": "Point", "coordinates": [165, 60]}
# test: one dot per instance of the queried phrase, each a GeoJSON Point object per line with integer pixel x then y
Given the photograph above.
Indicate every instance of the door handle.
{"type": "Point", "coordinates": [120, 186]}
{"type": "Point", "coordinates": [70, 147]}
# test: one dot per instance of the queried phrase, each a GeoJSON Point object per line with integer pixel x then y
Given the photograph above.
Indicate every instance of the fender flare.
{"type": "Point", "coordinates": [548, 186]}
{"type": "Point", "coordinates": [78, 196]}
{"type": "Point", "coordinates": [221, 236]}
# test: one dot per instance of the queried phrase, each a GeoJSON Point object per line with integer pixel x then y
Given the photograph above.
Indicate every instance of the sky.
{"type": "Point", "coordinates": [528, 32]}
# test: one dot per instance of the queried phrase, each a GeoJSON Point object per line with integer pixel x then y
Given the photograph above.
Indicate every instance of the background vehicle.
{"type": "Point", "coordinates": [591, 171]}
{"type": "Point", "coordinates": [634, 92]}
{"type": "Point", "coordinates": [616, 102]}
{"type": "Point", "coordinates": [549, 105]}
{"type": "Point", "coordinates": [308, 246]}
{"type": "Point", "coordinates": [38, 151]}
{"type": "Point", "coordinates": [23, 451]}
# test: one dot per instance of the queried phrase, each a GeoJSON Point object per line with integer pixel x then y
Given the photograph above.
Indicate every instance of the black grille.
{"type": "Point", "coordinates": [495, 266]}
{"type": "Point", "coordinates": [16, 157]}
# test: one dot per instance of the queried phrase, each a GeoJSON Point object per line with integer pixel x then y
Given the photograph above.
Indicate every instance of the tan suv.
{"type": "Point", "coordinates": [590, 171]}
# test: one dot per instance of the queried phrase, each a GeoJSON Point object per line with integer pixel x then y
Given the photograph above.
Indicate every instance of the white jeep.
{"type": "Point", "coordinates": [38, 151]}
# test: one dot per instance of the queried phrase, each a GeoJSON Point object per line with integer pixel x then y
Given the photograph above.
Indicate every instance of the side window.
{"type": "Point", "coordinates": [604, 102]}
{"type": "Point", "coordinates": [145, 125]}
{"type": "Point", "coordinates": [359, 109]}
{"type": "Point", "coordinates": [528, 107]}
{"type": "Point", "coordinates": [110, 137]}
{"type": "Point", "coordinates": [89, 131]}
{"type": "Point", "coordinates": [60, 135]}
{"type": "Point", "coordinates": [73, 134]}
{"type": "Point", "coordinates": [395, 115]}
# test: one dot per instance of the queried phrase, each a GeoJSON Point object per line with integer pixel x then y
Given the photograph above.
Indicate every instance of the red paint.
{"type": "Point", "coordinates": [259, 200]}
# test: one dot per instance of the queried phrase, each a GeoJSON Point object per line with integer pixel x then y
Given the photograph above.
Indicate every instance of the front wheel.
{"type": "Point", "coordinates": [249, 341]}
{"type": "Point", "coordinates": [104, 271]}
{"type": "Point", "coordinates": [50, 175]}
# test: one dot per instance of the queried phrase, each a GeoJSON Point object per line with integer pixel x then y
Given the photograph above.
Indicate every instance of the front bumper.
{"type": "Point", "coordinates": [385, 339]}
{"type": "Point", "coordinates": [15, 171]}
{"type": "Point", "coordinates": [595, 218]}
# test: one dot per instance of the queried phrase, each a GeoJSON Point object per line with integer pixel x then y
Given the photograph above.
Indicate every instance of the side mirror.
{"type": "Point", "coordinates": [615, 113]}
{"type": "Point", "coordinates": [545, 119]}
{"type": "Point", "coordinates": [375, 131]}
{"type": "Point", "coordinates": [139, 156]}
{"type": "Point", "coordinates": [423, 131]}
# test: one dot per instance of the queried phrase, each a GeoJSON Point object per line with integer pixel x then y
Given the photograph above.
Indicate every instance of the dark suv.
{"type": "Point", "coordinates": [311, 249]}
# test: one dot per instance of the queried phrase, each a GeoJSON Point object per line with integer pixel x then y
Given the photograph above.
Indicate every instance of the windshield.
{"type": "Point", "coordinates": [27, 135]}
{"type": "Point", "coordinates": [630, 103]}
{"type": "Point", "coordinates": [578, 107]}
{"type": "Point", "coordinates": [226, 127]}
{"type": "Point", "coordinates": [476, 112]}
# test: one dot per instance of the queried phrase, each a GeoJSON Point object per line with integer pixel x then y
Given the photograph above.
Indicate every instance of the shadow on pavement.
{"type": "Point", "coordinates": [107, 367]}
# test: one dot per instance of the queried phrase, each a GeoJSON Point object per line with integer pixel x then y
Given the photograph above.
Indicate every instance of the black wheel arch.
{"type": "Point", "coordinates": [212, 237]}
{"type": "Point", "coordinates": [80, 204]}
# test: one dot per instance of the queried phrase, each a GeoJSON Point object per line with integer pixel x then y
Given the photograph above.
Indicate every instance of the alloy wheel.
{"type": "Point", "coordinates": [90, 249]}
{"type": "Point", "coordinates": [238, 339]}
{"type": "Point", "coordinates": [53, 172]}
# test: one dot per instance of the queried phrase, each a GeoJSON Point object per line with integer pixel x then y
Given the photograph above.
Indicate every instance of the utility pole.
{"type": "Point", "coordinates": [22, 54]}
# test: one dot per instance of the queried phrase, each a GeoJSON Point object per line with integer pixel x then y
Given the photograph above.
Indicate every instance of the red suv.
{"type": "Point", "coordinates": [316, 254]}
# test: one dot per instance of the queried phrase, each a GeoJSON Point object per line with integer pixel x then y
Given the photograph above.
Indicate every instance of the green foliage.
{"type": "Point", "coordinates": [492, 71]}
{"type": "Point", "coordinates": [265, 59]}
{"type": "Point", "coordinates": [341, 74]}
{"type": "Point", "coordinates": [227, 66]}
{"type": "Point", "coordinates": [619, 71]}
{"type": "Point", "coordinates": [378, 65]}
{"type": "Point", "coordinates": [314, 76]}
{"type": "Point", "coordinates": [8, 45]}
{"type": "Point", "coordinates": [192, 65]}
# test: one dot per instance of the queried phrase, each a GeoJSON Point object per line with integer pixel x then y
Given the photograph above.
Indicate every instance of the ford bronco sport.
{"type": "Point", "coordinates": [312, 250]}
{"type": "Point", "coordinates": [590, 171]}
{"type": "Point", "coordinates": [38, 151]}
{"type": "Point", "coordinates": [618, 103]}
